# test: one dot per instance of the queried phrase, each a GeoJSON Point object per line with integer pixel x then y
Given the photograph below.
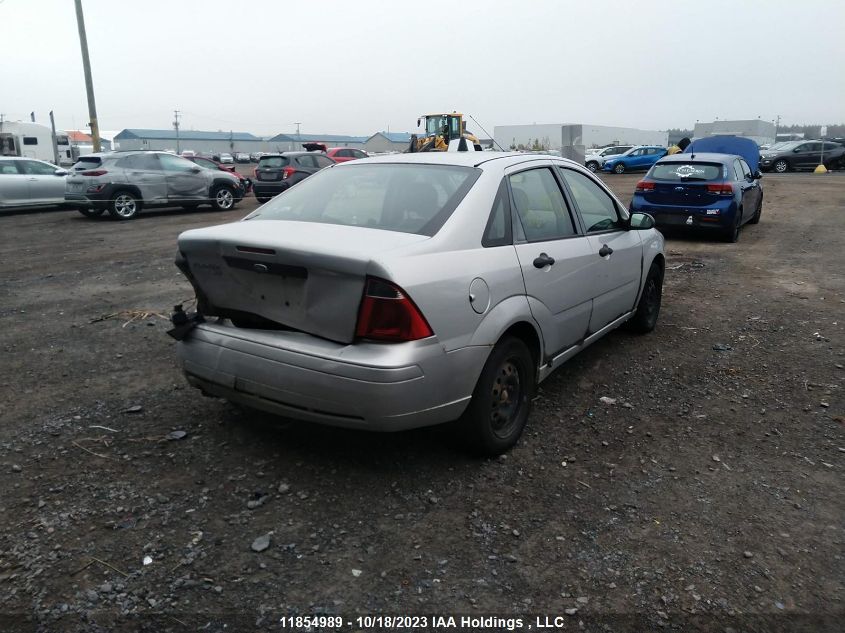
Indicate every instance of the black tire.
{"type": "Point", "coordinates": [757, 213]}
{"type": "Point", "coordinates": [495, 418]}
{"type": "Point", "coordinates": [648, 307]}
{"type": "Point", "coordinates": [90, 212]}
{"type": "Point", "coordinates": [781, 166]}
{"type": "Point", "coordinates": [124, 205]}
{"type": "Point", "coordinates": [223, 198]}
{"type": "Point", "coordinates": [593, 166]}
{"type": "Point", "coordinates": [619, 168]}
{"type": "Point", "coordinates": [262, 199]}
{"type": "Point", "coordinates": [731, 234]}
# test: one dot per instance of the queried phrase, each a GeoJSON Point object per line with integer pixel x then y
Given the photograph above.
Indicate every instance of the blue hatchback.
{"type": "Point", "coordinates": [716, 192]}
{"type": "Point", "coordinates": [635, 159]}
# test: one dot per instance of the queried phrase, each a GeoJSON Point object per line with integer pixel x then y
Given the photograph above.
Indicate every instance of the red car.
{"type": "Point", "coordinates": [213, 164]}
{"type": "Point", "coordinates": [343, 154]}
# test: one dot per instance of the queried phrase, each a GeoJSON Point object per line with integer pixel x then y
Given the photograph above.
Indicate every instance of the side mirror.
{"type": "Point", "coordinates": [796, 150]}
{"type": "Point", "coordinates": [196, 170]}
{"type": "Point", "coordinates": [757, 175]}
{"type": "Point", "coordinates": [60, 172]}
{"type": "Point", "coordinates": [641, 222]}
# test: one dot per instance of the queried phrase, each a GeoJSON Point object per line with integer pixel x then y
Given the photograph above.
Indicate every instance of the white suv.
{"type": "Point", "coordinates": [594, 159]}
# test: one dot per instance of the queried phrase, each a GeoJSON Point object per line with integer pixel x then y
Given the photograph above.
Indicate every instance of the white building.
{"type": "Point", "coordinates": [762, 132]}
{"type": "Point", "coordinates": [572, 139]}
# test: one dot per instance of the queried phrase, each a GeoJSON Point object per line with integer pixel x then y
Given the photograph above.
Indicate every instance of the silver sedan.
{"type": "Point", "coordinates": [416, 289]}
{"type": "Point", "coordinates": [27, 182]}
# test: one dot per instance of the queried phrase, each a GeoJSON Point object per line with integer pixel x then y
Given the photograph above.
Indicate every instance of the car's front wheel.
{"type": "Point", "coordinates": [501, 401]}
{"type": "Point", "coordinates": [619, 168]}
{"type": "Point", "coordinates": [781, 166]}
{"type": "Point", "coordinates": [593, 166]}
{"type": "Point", "coordinates": [223, 198]}
{"type": "Point", "coordinates": [124, 205]}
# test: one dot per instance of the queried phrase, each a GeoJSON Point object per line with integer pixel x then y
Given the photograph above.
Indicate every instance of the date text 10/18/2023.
{"type": "Point", "coordinates": [433, 622]}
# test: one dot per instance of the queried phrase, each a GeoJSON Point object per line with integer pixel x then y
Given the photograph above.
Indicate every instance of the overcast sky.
{"type": "Point", "coordinates": [360, 66]}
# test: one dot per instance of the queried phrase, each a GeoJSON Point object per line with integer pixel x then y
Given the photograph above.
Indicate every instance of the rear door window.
{"type": "Point", "coordinates": [145, 162]}
{"type": "Point", "coordinates": [8, 168]}
{"type": "Point", "coordinates": [36, 168]}
{"type": "Point", "coordinates": [307, 161]}
{"type": "Point", "coordinates": [540, 206]}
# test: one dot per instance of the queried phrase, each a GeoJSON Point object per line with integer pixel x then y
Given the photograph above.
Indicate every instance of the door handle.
{"type": "Point", "coordinates": [543, 260]}
{"type": "Point", "coordinates": [605, 250]}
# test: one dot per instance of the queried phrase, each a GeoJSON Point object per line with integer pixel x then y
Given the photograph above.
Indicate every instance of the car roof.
{"type": "Point", "coordinates": [466, 159]}
{"type": "Point", "coordinates": [300, 153]}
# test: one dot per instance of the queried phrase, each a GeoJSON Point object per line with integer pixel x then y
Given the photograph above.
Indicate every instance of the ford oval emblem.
{"type": "Point", "coordinates": [260, 268]}
{"type": "Point", "coordinates": [679, 188]}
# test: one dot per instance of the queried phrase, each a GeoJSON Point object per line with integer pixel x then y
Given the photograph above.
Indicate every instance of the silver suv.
{"type": "Point", "coordinates": [124, 182]}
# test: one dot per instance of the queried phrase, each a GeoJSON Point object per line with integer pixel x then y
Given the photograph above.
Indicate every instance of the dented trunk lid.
{"type": "Point", "coordinates": [300, 275]}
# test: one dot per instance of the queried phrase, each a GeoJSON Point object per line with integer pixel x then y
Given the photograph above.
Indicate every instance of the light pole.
{"type": "Point", "coordinates": [176, 127]}
{"type": "Point", "coordinates": [89, 83]}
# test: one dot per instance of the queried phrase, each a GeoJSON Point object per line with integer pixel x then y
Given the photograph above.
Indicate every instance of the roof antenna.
{"type": "Point", "coordinates": [486, 132]}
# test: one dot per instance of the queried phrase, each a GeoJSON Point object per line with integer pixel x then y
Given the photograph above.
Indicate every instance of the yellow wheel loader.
{"type": "Point", "coordinates": [444, 133]}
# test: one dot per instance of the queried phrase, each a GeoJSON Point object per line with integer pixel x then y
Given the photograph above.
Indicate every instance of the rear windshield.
{"type": "Point", "coordinates": [687, 171]}
{"type": "Point", "coordinates": [86, 162]}
{"type": "Point", "coordinates": [405, 198]}
{"type": "Point", "coordinates": [272, 161]}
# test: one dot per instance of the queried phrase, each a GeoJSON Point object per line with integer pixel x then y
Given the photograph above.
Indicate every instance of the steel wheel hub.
{"type": "Point", "coordinates": [506, 399]}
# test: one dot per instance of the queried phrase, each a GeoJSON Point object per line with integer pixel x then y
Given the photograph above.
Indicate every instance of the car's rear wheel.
{"type": "Point", "coordinates": [89, 212]}
{"type": "Point", "coordinates": [731, 234]}
{"type": "Point", "coordinates": [501, 401]}
{"type": "Point", "coordinates": [781, 166]}
{"type": "Point", "coordinates": [223, 198]}
{"type": "Point", "coordinates": [648, 308]}
{"type": "Point", "coordinates": [619, 168]}
{"type": "Point", "coordinates": [124, 205]}
{"type": "Point", "coordinates": [593, 166]}
{"type": "Point", "coordinates": [757, 213]}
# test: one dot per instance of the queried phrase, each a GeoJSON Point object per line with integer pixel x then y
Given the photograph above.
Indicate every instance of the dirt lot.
{"type": "Point", "coordinates": [710, 495]}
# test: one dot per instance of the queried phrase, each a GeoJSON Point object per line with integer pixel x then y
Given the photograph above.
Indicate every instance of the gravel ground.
{"type": "Point", "coordinates": [703, 493]}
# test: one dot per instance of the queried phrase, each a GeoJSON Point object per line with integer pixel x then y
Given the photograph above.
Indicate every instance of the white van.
{"type": "Point", "coordinates": [32, 140]}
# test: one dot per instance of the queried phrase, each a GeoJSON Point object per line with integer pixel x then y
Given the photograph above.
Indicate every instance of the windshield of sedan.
{"type": "Point", "coordinates": [394, 197]}
{"type": "Point", "coordinates": [686, 171]}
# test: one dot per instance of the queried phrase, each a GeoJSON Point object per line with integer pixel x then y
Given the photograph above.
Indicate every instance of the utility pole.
{"type": "Point", "coordinates": [176, 127]}
{"type": "Point", "coordinates": [55, 144]}
{"type": "Point", "coordinates": [777, 125]}
{"type": "Point", "coordinates": [297, 124]}
{"type": "Point", "coordinates": [89, 83]}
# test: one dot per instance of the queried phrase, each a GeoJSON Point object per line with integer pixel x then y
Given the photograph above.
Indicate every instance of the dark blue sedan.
{"type": "Point", "coordinates": [714, 192]}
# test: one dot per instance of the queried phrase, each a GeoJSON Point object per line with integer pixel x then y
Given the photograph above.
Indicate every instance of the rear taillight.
{"type": "Point", "coordinates": [95, 172]}
{"type": "Point", "coordinates": [643, 186]}
{"type": "Point", "coordinates": [721, 189]}
{"type": "Point", "coordinates": [287, 172]}
{"type": "Point", "coordinates": [388, 314]}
